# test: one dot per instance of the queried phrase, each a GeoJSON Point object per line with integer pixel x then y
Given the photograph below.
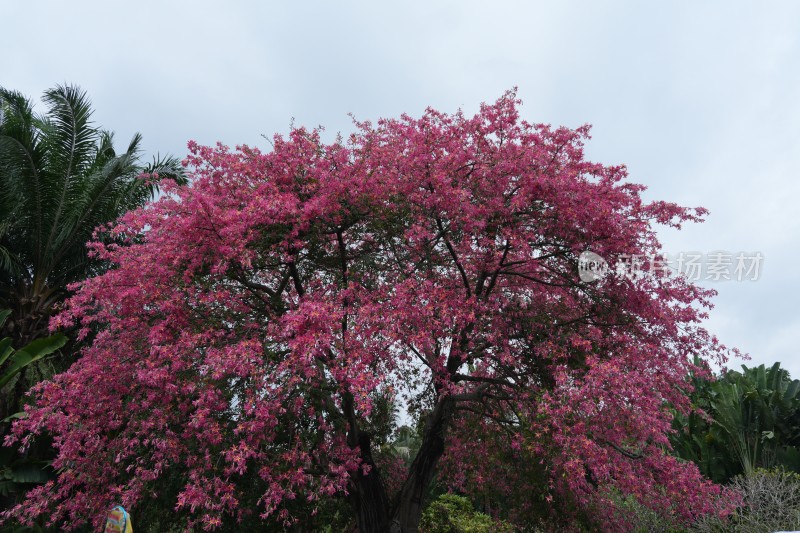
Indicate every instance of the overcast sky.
{"type": "Point", "coordinates": [700, 99]}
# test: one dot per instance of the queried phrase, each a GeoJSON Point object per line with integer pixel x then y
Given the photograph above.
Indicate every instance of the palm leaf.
{"type": "Point", "coordinates": [31, 353]}
{"type": "Point", "coordinates": [71, 142]}
{"type": "Point", "coordinates": [22, 160]}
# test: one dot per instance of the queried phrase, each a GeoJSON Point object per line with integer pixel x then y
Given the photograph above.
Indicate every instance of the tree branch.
{"type": "Point", "coordinates": [452, 251]}
{"type": "Point", "coordinates": [298, 285]}
{"type": "Point", "coordinates": [492, 282]}
{"type": "Point", "coordinates": [479, 379]}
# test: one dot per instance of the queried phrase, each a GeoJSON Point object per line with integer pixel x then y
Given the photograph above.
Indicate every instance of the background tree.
{"type": "Point", "coordinates": [749, 420]}
{"type": "Point", "coordinates": [249, 320]}
{"type": "Point", "coordinates": [60, 178]}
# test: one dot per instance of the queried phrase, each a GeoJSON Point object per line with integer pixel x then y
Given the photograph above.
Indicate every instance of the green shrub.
{"type": "Point", "coordinates": [454, 514]}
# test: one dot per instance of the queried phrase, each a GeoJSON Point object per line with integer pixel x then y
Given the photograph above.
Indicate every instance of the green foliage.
{"type": "Point", "coordinates": [382, 419]}
{"type": "Point", "coordinates": [406, 443]}
{"type": "Point", "coordinates": [754, 423]}
{"type": "Point", "coordinates": [20, 472]}
{"type": "Point", "coordinates": [32, 352]}
{"type": "Point", "coordinates": [60, 178]}
{"type": "Point", "coordinates": [638, 517]}
{"type": "Point", "coordinates": [450, 513]}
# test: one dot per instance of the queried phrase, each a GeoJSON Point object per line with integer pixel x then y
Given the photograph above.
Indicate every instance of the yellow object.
{"type": "Point", "coordinates": [118, 521]}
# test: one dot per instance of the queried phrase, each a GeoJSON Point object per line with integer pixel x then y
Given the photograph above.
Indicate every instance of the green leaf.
{"type": "Point", "coordinates": [30, 354]}
{"type": "Point", "coordinates": [792, 390]}
{"type": "Point", "coordinates": [15, 416]}
{"type": "Point", "coordinates": [5, 350]}
{"type": "Point", "coordinates": [45, 346]}
{"type": "Point", "coordinates": [30, 473]}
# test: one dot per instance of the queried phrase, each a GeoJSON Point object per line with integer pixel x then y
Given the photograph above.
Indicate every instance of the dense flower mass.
{"type": "Point", "coordinates": [238, 343]}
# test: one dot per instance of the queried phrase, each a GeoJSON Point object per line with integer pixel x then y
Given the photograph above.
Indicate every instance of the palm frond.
{"type": "Point", "coordinates": [166, 167]}
{"type": "Point", "coordinates": [23, 157]}
{"type": "Point", "coordinates": [71, 142]}
{"type": "Point", "coordinates": [71, 137]}
{"type": "Point", "coordinates": [134, 147]}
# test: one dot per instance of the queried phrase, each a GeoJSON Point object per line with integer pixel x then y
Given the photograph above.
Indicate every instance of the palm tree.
{"type": "Point", "coordinates": [60, 178]}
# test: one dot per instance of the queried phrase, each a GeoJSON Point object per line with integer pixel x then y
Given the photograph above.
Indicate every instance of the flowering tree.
{"type": "Point", "coordinates": [250, 318]}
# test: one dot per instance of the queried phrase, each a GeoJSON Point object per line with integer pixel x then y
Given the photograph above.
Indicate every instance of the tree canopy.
{"type": "Point", "coordinates": [238, 342]}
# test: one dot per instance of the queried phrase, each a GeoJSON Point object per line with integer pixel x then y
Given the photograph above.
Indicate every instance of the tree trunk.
{"type": "Point", "coordinates": [367, 495]}
{"type": "Point", "coordinates": [408, 509]}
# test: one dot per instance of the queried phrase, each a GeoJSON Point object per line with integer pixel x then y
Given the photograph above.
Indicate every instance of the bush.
{"type": "Point", "coordinates": [771, 502]}
{"type": "Point", "coordinates": [637, 517]}
{"type": "Point", "coordinates": [454, 514]}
